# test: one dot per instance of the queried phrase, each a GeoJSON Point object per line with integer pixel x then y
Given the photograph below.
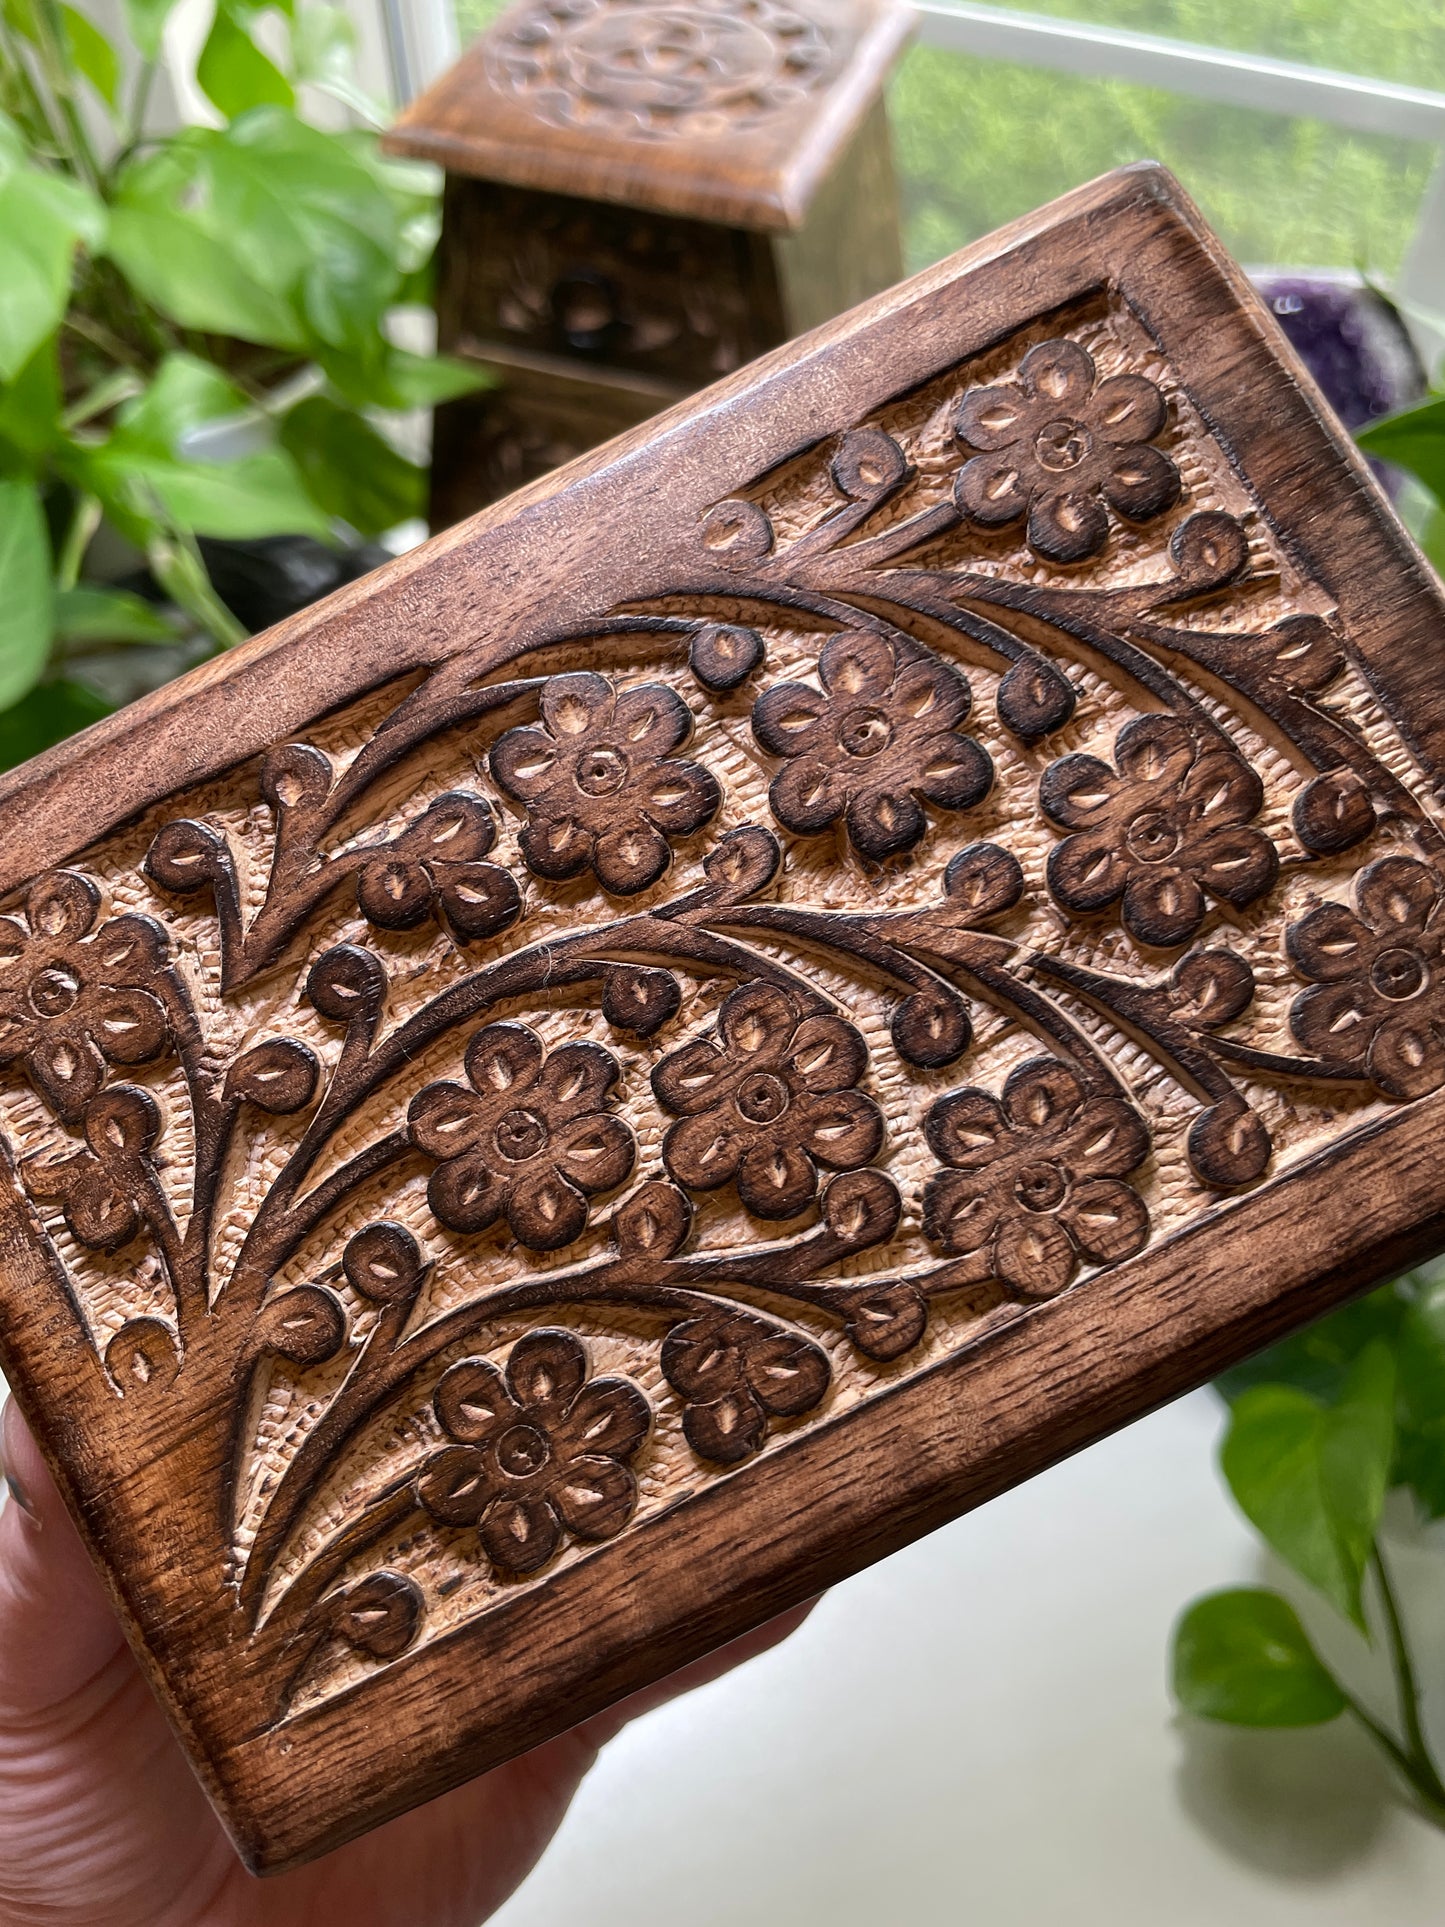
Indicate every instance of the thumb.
{"type": "Point", "coordinates": [57, 1629]}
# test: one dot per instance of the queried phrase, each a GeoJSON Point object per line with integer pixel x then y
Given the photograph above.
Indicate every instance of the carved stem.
{"type": "Point", "coordinates": [554, 963]}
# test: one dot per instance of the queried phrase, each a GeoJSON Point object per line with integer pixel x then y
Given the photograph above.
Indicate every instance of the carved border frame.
{"type": "Point", "coordinates": [829, 1500]}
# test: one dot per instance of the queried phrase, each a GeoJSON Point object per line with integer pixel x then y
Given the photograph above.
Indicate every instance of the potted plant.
{"type": "Point", "coordinates": [156, 287]}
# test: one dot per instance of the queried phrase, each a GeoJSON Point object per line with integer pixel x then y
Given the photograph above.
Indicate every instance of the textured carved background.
{"type": "Point", "coordinates": [836, 922]}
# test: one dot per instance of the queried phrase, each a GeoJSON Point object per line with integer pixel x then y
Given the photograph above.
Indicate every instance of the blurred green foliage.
{"type": "Point", "coordinates": [196, 334]}
{"type": "Point", "coordinates": [1321, 1428]}
{"type": "Point", "coordinates": [981, 142]}
{"type": "Point", "coordinates": [1414, 439]}
{"type": "Point", "coordinates": [1402, 40]}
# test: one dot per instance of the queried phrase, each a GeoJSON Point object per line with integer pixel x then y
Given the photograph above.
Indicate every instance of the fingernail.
{"type": "Point", "coordinates": [19, 1495]}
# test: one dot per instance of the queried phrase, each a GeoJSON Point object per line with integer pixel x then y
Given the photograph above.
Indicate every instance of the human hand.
{"type": "Point", "coordinates": [102, 1823]}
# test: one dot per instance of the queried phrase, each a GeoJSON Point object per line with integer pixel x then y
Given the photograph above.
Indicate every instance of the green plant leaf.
{"type": "Point", "coordinates": [310, 233]}
{"type": "Point", "coordinates": [1357, 1450]}
{"type": "Point", "coordinates": [186, 394]}
{"type": "Point", "coordinates": [1311, 1477]}
{"type": "Point", "coordinates": [418, 284]}
{"type": "Point", "coordinates": [310, 221]}
{"type": "Point", "coordinates": [28, 604]}
{"type": "Point", "coordinates": [51, 712]}
{"type": "Point", "coordinates": [43, 219]}
{"type": "Point", "coordinates": [20, 14]}
{"type": "Point", "coordinates": [387, 377]}
{"type": "Point", "coordinates": [351, 470]}
{"type": "Point", "coordinates": [1243, 1657]}
{"type": "Point", "coordinates": [176, 265]}
{"type": "Point", "coordinates": [1432, 540]}
{"type": "Point", "coordinates": [145, 477]}
{"type": "Point", "coordinates": [421, 381]}
{"type": "Point", "coordinates": [93, 54]}
{"type": "Point", "coordinates": [1420, 1351]}
{"type": "Point", "coordinates": [145, 22]}
{"type": "Point", "coordinates": [30, 410]}
{"type": "Point", "coordinates": [233, 73]}
{"type": "Point", "coordinates": [176, 564]}
{"type": "Point", "coordinates": [300, 237]}
{"type": "Point", "coordinates": [252, 496]}
{"type": "Point", "coordinates": [1271, 1460]}
{"type": "Point", "coordinates": [87, 616]}
{"type": "Point", "coordinates": [1414, 439]}
{"type": "Point", "coordinates": [1319, 1358]}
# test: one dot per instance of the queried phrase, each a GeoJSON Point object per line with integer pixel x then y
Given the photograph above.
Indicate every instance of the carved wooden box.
{"type": "Point", "coordinates": [640, 198]}
{"type": "Point", "coordinates": [723, 1012]}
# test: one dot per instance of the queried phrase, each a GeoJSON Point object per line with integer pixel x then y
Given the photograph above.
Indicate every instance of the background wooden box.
{"type": "Point", "coordinates": [640, 200]}
{"type": "Point", "coordinates": [1087, 1039]}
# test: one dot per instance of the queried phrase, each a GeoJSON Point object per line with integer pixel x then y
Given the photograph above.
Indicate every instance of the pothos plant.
{"type": "Point", "coordinates": [1324, 1426]}
{"type": "Point", "coordinates": [1321, 1429]}
{"type": "Point", "coordinates": [153, 286]}
{"type": "Point", "coordinates": [1413, 438]}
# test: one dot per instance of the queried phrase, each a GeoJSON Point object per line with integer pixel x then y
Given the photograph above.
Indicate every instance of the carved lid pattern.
{"type": "Point", "coordinates": [692, 70]}
{"type": "Point", "coordinates": [562, 1079]}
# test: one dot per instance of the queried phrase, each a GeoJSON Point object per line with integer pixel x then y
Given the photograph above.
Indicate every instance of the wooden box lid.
{"type": "Point", "coordinates": [725, 110]}
{"type": "Point", "coordinates": [733, 1006]}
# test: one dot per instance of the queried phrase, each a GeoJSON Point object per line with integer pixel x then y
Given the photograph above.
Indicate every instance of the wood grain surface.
{"type": "Point", "coordinates": [731, 1007]}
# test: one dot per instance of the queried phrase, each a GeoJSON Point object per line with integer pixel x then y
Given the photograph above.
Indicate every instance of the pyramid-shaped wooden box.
{"type": "Point", "coordinates": [722, 1012]}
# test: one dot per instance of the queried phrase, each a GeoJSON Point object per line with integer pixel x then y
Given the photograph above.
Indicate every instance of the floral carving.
{"type": "Point", "coordinates": [101, 1189]}
{"type": "Point", "coordinates": [380, 1615]}
{"type": "Point", "coordinates": [1377, 976]}
{"type": "Point", "coordinates": [1210, 988]}
{"type": "Point", "coordinates": [1058, 445]}
{"type": "Point", "coordinates": [281, 1299]}
{"type": "Point", "coordinates": [734, 1372]}
{"type": "Point", "coordinates": [1035, 1178]}
{"type": "Point", "coordinates": [882, 736]}
{"type": "Point", "coordinates": [602, 786]}
{"type": "Point", "coordinates": [527, 1138]}
{"type": "Point", "coordinates": [1170, 827]}
{"type": "Point", "coordinates": [74, 998]}
{"type": "Point", "coordinates": [537, 1450]}
{"type": "Point", "coordinates": [767, 1100]}
{"type": "Point", "coordinates": [435, 868]}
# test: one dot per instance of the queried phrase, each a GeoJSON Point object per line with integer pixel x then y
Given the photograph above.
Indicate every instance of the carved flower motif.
{"type": "Point", "coordinates": [1378, 978]}
{"type": "Point", "coordinates": [1169, 827]}
{"type": "Point", "coordinates": [537, 1449]}
{"type": "Point", "coordinates": [600, 782]}
{"type": "Point", "coordinates": [879, 736]}
{"type": "Point", "coordinates": [734, 1372]}
{"type": "Point", "coordinates": [1058, 445]}
{"type": "Point", "coordinates": [101, 1189]}
{"type": "Point", "coordinates": [1034, 1179]}
{"type": "Point", "coordinates": [70, 1001]}
{"type": "Point", "coordinates": [767, 1100]}
{"type": "Point", "coordinates": [435, 868]}
{"type": "Point", "coordinates": [530, 1139]}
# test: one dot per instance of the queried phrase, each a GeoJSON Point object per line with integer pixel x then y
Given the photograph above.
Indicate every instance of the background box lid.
{"type": "Point", "coordinates": [726, 110]}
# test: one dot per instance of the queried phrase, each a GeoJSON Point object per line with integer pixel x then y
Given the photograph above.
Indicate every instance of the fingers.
{"type": "Point", "coordinates": [57, 1628]}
